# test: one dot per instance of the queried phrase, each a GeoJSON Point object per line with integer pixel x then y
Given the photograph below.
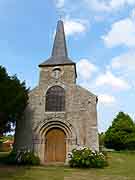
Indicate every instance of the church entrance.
{"type": "Point", "coordinates": [55, 147]}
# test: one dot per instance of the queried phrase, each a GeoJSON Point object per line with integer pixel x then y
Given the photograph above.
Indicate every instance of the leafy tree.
{"type": "Point", "coordinates": [121, 135]}
{"type": "Point", "coordinates": [13, 100]}
{"type": "Point", "coordinates": [101, 140]}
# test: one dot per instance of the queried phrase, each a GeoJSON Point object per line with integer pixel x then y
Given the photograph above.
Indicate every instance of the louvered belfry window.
{"type": "Point", "coordinates": [55, 99]}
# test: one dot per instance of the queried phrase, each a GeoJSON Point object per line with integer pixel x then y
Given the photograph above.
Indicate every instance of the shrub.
{"type": "Point", "coordinates": [22, 158]}
{"type": "Point", "coordinates": [121, 134]}
{"type": "Point", "coordinates": [11, 158]}
{"type": "Point", "coordinates": [85, 158]}
{"type": "Point", "coordinates": [29, 158]}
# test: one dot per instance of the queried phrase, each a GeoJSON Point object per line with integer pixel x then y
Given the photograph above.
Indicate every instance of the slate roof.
{"type": "Point", "coordinates": [59, 52]}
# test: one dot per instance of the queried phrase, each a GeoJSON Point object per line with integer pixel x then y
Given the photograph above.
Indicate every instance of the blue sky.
{"type": "Point", "coordinates": [100, 37]}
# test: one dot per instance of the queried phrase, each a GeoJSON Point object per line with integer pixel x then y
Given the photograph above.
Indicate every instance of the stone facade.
{"type": "Point", "coordinates": [78, 120]}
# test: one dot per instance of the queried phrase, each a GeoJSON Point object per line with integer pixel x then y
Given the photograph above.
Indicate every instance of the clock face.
{"type": "Point", "coordinates": [56, 73]}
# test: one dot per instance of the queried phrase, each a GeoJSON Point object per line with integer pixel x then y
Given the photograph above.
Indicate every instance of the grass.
{"type": "Point", "coordinates": [121, 167]}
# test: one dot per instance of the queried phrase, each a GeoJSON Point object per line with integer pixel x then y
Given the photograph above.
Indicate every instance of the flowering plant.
{"type": "Point", "coordinates": [25, 157]}
{"type": "Point", "coordinates": [84, 157]}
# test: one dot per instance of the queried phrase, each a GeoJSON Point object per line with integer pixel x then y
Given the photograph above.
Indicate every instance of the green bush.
{"type": "Point", "coordinates": [22, 158]}
{"type": "Point", "coordinates": [29, 158]}
{"type": "Point", "coordinates": [121, 134]}
{"type": "Point", "coordinates": [11, 158]}
{"type": "Point", "coordinates": [85, 158]}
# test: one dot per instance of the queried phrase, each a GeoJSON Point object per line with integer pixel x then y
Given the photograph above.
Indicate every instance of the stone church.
{"type": "Point", "coordinates": [60, 115]}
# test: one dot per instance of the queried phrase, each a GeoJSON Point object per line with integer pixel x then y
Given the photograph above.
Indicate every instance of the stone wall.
{"type": "Point", "coordinates": [68, 75]}
{"type": "Point", "coordinates": [79, 120]}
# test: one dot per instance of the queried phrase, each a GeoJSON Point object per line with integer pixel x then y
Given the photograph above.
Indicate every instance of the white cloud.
{"type": "Point", "coordinates": [133, 14]}
{"type": "Point", "coordinates": [59, 3]}
{"type": "Point", "coordinates": [120, 3]}
{"type": "Point", "coordinates": [121, 33]}
{"type": "Point", "coordinates": [85, 69]}
{"type": "Point", "coordinates": [97, 5]}
{"type": "Point", "coordinates": [109, 5]}
{"type": "Point", "coordinates": [132, 115]}
{"type": "Point", "coordinates": [108, 79]}
{"type": "Point", "coordinates": [124, 65]}
{"type": "Point", "coordinates": [124, 62]}
{"type": "Point", "coordinates": [73, 26]}
{"type": "Point", "coordinates": [106, 99]}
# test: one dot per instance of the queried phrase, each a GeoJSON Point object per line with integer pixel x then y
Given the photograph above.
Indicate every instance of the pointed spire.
{"type": "Point", "coordinates": [59, 46]}
{"type": "Point", "coordinates": [59, 54]}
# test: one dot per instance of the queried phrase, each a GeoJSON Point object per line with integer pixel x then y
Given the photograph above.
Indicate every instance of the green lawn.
{"type": "Point", "coordinates": [121, 167]}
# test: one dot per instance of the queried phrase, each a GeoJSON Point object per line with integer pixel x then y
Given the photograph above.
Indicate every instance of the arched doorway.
{"type": "Point", "coordinates": [55, 146]}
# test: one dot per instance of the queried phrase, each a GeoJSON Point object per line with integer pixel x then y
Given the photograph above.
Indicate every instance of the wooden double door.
{"type": "Point", "coordinates": [55, 146]}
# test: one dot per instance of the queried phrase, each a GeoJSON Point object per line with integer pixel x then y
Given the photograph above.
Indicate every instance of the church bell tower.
{"type": "Point", "coordinates": [58, 67]}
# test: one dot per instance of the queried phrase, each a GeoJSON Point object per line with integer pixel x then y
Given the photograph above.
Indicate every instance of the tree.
{"type": "Point", "coordinates": [101, 140]}
{"type": "Point", "coordinates": [13, 100]}
{"type": "Point", "coordinates": [121, 135]}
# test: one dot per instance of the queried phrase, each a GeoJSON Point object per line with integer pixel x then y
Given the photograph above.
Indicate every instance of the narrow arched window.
{"type": "Point", "coordinates": [55, 99]}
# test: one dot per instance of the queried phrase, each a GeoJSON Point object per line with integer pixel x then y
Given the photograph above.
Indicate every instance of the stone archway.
{"type": "Point", "coordinates": [41, 129]}
{"type": "Point", "coordinates": [55, 146]}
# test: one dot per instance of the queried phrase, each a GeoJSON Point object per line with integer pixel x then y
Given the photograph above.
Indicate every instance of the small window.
{"type": "Point", "coordinates": [55, 99]}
